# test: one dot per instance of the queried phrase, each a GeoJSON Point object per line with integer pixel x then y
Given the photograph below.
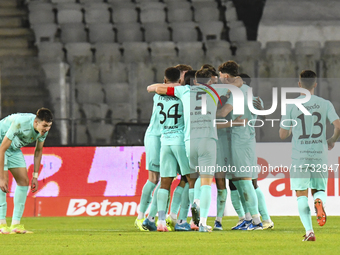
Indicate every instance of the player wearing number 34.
{"type": "Point", "coordinates": [309, 150]}
{"type": "Point", "coordinates": [17, 131]}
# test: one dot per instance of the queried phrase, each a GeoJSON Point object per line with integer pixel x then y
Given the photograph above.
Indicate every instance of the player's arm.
{"type": "Point", "coordinates": [224, 111]}
{"type": "Point", "coordinates": [331, 141]}
{"type": "Point", "coordinates": [153, 87]}
{"type": "Point", "coordinates": [6, 143]}
{"type": "Point", "coordinates": [37, 162]}
{"type": "Point", "coordinates": [284, 133]}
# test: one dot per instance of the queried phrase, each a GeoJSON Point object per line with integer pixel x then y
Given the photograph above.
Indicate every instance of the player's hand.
{"type": "Point", "coordinates": [257, 104]}
{"type": "Point", "coordinates": [4, 185]}
{"type": "Point", "coordinates": [34, 185]}
{"type": "Point", "coordinates": [330, 143]}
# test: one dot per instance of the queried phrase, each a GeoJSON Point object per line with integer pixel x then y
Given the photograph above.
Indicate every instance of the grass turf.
{"type": "Point", "coordinates": [117, 235]}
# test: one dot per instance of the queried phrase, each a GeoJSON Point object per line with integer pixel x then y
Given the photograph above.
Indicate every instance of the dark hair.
{"type": "Point", "coordinates": [203, 75]}
{"type": "Point", "coordinates": [172, 74]}
{"type": "Point", "coordinates": [188, 76]}
{"type": "Point", "coordinates": [230, 67]}
{"type": "Point", "coordinates": [211, 68]}
{"type": "Point", "coordinates": [182, 67]}
{"type": "Point", "coordinates": [246, 78]}
{"type": "Point", "coordinates": [307, 78]}
{"type": "Point", "coordinates": [44, 114]}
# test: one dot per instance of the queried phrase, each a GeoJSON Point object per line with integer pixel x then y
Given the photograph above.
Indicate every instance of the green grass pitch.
{"type": "Point", "coordinates": [117, 235]}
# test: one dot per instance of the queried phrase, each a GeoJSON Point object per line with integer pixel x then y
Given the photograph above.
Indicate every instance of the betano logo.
{"type": "Point", "coordinates": [78, 207]}
{"type": "Point", "coordinates": [238, 100]}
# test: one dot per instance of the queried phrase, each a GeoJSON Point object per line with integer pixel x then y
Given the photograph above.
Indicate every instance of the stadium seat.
{"type": "Point", "coordinates": [247, 55]}
{"type": "Point", "coordinates": [89, 93]}
{"type": "Point", "coordinates": [179, 12]}
{"type": "Point", "coordinates": [190, 53]}
{"type": "Point", "coordinates": [116, 92]}
{"type": "Point", "coordinates": [96, 112]}
{"type": "Point", "coordinates": [146, 1]}
{"type": "Point", "coordinates": [307, 55]}
{"type": "Point", "coordinates": [41, 17]}
{"type": "Point", "coordinates": [107, 52]}
{"type": "Point", "coordinates": [101, 32]}
{"type": "Point", "coordinates": [73, 32]}
{"type": "Point", "coordinates": [330, 59]}
{"type": "Point", "coordinates": [184, 31]}
{"type": "Point", "coordinates": [152, 12]}
{"type": "Point", "coordinates": [204, 4]}
{"type": "Point", "coordinates": [211, 30]}
{"type": "Point", "coordinates": [39, 6]}
{"type": "Point", "coordinates": [120, 110]}
{"type": "Point", "coordinates": [85, 72]}
{"type": "Point", "coordinates": [217, 52]}
{"type": "Point", "coordinates": [118, 1]}
{"type": "Point", "coordinates": [81, 134]}
{"type": "Point", "coordinates": [50, 52]}
{"type": "Point", "coordinates": [69, 13]}
{"type": "Point", "coordinates": [78, 52]}
{"type": "Point", "coordinates": [97, 13]}
{"type": "Point", "coordinates": [237, 31]}
{"type": "Point", "coordinates": [62, 1]}
{"type": "Point", "coordinates": [135, 52]}
{"type": "Point", "coordinates": [124, 13]}
{"type": "Point", "coordinates": [44, 32]}
{"type": "Point", "coordinates": [156, 31]}
{"type": "Point", "coordinates": [231, 14]}
{"type": "Point", "coordinates": [100, 133]}
{"type": "Point", "coordinates": [163, 49]}
{"type": "Point", "coordinates": [206, 14]}
{"type": "Point", "coordinates": [90, 1]}
{"type": "Point", "coordinates": [113, 72]}
{"type": "Point", "coordinates": [129, 32]}
{"type": "Point", "coordinates": [54, 72]}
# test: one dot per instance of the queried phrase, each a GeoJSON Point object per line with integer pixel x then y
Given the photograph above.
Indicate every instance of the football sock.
{"type": "Point", "coordinates": [236, 201]}
{"type": "Point", "coordinates": [176, 201]}
{"type": "Point", "coordinates": [250, 197]}
{"type": "Point", "coordinates": [203, 221]}
{"type": "Point", "coordinates": [241, 195]}
{"type": "Point", "coordinates": [145, 198]}
{"type": "Point", "coordinates": [262, 205]}
{"type": "Point", "coordinates": [219, 219]}
{"type": "Point", "coordinates": [197, 188]}
{"type": "Point", "coordinates": [247, 217]}
{"type": "Point", "coordinates": [304, 212]}
{"type": "Point", "coordinates": [20, 196]}
{"type": "Point", "coordinates": [185, 203]}
{"type": "Point", "coordinates": [205, 203]}
{"type": "Point", "coordinates": [180, 222]}
{"type": "Point", "coordinates": [3, 207]}
{"type": "Point", "coordinates": [162, 200]}
{"type": "Point", "coordinates": [191, 196]}
{"type": "Point", "coordinates": [322, 195]}
{"type": "Point", "coordinates": [153, 208]}
{"type": "Point", "coordinates": [221, 200]}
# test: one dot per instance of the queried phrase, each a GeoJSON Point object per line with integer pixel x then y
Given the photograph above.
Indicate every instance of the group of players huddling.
{"type": "Point", "coordinates": [182, 138]}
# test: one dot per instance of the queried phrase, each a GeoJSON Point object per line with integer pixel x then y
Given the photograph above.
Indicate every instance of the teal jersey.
{"type": "Point", "coordinates": [309, 133]}
{"type": "Point", "coordinates": [154, 126]}
{"type": "Point", "coordinates": [240, 135]}
{"type": "Point", "coordinates": [19, 129]}
{"type": "Point", "coordinates": [197, 125]}
{"type": "Point", "coordinates": [171, 120]}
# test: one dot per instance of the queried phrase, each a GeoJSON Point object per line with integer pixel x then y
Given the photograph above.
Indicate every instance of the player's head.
{"type": "Point", "coordinates": [189, 77]}
{"type": "Point", "coordinates": [183, 69]}
{"type": "Point", "coordinates": [246, 78]}
{"type": "Point", "coordinates": [214, 77]}
{"type": "Point", "coordinates": [172, 75]}
{"type": "Point", "coordinates": [43, 120]}
{"type": "Point", "coordinates": [228, 70]}
{"type": "Point", "coordinates": [203, 76]}
{"type": "Point", "coordinates": [307, 79]}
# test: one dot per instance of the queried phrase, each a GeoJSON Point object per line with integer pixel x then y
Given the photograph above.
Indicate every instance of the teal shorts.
{"type": "Point", "coordinates": [14, 159]}
{"type": "Point", "coordinates": [173, 161]}
{"type": "Point", "coordinates": [243, 162]}
{"type": "Point", "coordinates": [152, 146]}
{"type": "Point", "coordinates": [202, 155]}
{"type": "Point", "coordinates": [302, 180]}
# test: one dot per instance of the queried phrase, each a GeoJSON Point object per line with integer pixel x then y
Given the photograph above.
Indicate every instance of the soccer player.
{"type": "Point", "coordinates": [173, 157]}
{"type": "Point", "coordinates": [17, 131]}
{"type": "Point", "coordinates": [309, 150]}
{"type": "Point", "coordinates": [183, 69]}
{"type": "Point", "coordinates": [243, 146]}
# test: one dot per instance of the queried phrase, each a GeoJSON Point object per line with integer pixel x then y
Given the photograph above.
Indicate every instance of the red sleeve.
{"type": "Point", "coordinates": [170, 91]}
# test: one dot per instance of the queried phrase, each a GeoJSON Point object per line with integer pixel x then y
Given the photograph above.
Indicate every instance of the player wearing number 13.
{"type": "Point", "coordinates": [309, 150]}
{"type": "Point", "coordinates": [17, 131]}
